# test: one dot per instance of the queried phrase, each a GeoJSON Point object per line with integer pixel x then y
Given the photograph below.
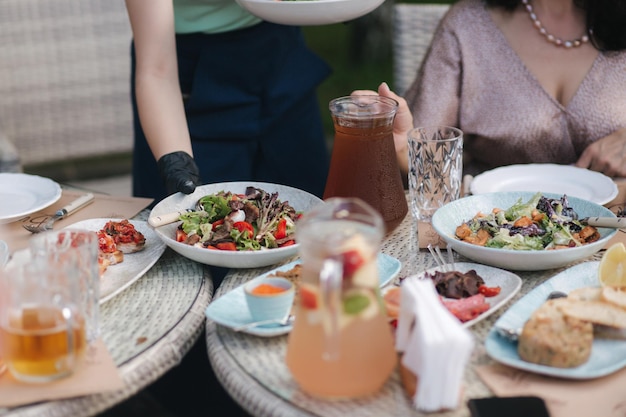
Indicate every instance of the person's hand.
{"type": "Point", "coordinates": [179, 172]}
{"type": "Point", "coordinates": [402, 123]}
{"type": "Point", "coordinates": [606, 155]}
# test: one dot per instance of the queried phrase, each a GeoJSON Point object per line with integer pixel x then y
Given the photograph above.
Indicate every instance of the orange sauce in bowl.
{"type": "Point", "coordinates": [265, 289]}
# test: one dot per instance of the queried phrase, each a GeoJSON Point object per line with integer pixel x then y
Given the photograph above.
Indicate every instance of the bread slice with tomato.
{"type": "Point", "coordinates": [126, 237]}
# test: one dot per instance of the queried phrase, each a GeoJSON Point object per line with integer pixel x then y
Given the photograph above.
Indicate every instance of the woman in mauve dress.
{"type": "Point", "coordinates": [527, 81]}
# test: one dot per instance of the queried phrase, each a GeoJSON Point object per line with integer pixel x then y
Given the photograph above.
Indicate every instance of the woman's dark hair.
{"type": "Point", "coordinates": [606, 20]}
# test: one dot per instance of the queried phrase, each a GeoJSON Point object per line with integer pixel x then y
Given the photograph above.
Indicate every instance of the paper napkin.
{"type": "Point", "coordinates": [436, 347]}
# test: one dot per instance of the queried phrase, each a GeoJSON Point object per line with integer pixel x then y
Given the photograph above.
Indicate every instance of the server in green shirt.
{"type": "Point", "coordinates": [220, 95]}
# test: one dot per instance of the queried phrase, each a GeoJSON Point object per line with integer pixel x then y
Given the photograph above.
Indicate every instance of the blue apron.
{"type": "Point", "coordinates": [252, 110]}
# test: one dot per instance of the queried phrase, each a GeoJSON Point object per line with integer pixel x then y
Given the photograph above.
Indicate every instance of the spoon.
{"type": "Point", "coordinates": [285, 321]}
{"type": "Point", "coordinates": [512, 335]}
{"type": "Point", "coordinates": [167, 218]}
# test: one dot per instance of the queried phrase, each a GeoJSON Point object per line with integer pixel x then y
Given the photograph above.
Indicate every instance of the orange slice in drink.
{"type": "Point", "coordinates": [612, 271]}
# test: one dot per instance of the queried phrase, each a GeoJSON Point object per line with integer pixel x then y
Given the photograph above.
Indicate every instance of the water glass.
{"type": "Point", "coordinates": [42, 329]}
{"type": "Point", "coordinates": [435, 168]}
{"type": "Point", "coordinates": [77, 250]}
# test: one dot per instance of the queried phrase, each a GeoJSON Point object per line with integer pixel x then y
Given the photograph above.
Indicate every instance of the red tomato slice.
{"type": "Point", "coordinates": [243, 226]}
{"type": "Point", "coordinates": [226, 246]}
{"type": "Point", "coordinates": [281, 229]}
{"type": "Point", "coordinates": [181, 236]}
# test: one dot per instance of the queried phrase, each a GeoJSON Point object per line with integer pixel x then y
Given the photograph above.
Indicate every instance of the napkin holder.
{"type": "Point", "coordinates": [435, 348]}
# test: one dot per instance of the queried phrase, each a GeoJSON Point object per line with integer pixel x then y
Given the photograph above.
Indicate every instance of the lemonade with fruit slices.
{"type": "Point", "coordinates": [341, 344]}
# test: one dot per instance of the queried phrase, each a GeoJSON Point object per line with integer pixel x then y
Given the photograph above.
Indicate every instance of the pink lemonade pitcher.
{"type": "Point", "coordinates": [341, 345]}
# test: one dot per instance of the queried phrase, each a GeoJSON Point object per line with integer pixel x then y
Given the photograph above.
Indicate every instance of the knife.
{"type": "Point", "coordinates": [167, 218]}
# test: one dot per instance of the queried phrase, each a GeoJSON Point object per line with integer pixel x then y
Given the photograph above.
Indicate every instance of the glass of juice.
{"type": "Point", "coordinates": [42, 329]}
{"type": "Point", "coordinates": [341, 345]}
{"type": "Point", "coordinates": [363, 162]}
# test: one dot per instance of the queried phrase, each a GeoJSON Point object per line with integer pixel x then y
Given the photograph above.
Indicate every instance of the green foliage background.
{"type": "Point", "coordinates": [359, 52]}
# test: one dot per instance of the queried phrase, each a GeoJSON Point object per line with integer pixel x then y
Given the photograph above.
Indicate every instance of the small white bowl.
{"type": "Point", "coordinates": [270, 306]}
{"type": "Point", "coordinates": [309, 12]}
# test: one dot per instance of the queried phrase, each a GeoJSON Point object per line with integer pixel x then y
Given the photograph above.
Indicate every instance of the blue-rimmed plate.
{"type": "Point", "coordinates": [607, 356]}
{"type": "Point", "coordinates": [231, 310]}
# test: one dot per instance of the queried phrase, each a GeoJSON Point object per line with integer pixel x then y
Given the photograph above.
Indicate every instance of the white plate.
{"type": "Point", "coordinates": [508, 282]}
{"type": "Point", "coordinates": [447, 218]}
{"type": "Point", "coordinates": [300, 200]}
{"type": "Point", "coordinates": [231, 310]}
{"type": "Point", "coordinates": [24, 194]}
{"type": "Point", "coordinates": [118, 277]}
{"type": "Point", "coordinates": [547, 178]}
{"type": "Point", "coordinates": [607, 356]}
{"type": "Point", "coordinates": [121, 276]}
{"type": "Point", "coordinates": [309, 12]}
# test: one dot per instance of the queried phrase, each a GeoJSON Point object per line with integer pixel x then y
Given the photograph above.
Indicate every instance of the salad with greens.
{"type": "Point", "coordinates": [538, 224]}
{"type": "Point", "coordinates": [256, 220]}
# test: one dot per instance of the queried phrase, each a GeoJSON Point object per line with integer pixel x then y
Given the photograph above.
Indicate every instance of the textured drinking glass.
{"type": "Point", "coordinates": [42, 329]}
{"type": "Point", "coordinates": [435, 168]}
{"type": "Point", "coordinates": [76, 249]}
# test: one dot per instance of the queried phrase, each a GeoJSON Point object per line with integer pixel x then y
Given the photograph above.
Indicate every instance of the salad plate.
{"type": "Point", "coordinates": [508, 282]}
{"type": "Point", "coordinates": [120, 276]}
{"type": "Point", "coordinates": [24, 194]}
{"type": "Point", "coordinates": [231, 310]}
{"type": "Point", "coordinates": [298, 199]}
{"type": "Point", "coordinates": [547, 178]}
{"type": "Point", "coordinates": [607, 356]}
{"type": "Point", "coordinates": [447, 218]}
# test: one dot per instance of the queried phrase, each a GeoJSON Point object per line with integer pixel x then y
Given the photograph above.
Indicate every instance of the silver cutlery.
{"type": "Point", "coordinates": [286, 321]}
{"type": "Point", "coordinates": [167, 218]}
{"type": "Point", "coordinates": [610, 222]}
{"type": "Point", "coordinates": [62, 213]}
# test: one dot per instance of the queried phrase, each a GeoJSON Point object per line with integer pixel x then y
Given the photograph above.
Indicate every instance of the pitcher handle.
{"type": "Point", "coordinates": [331, 276]}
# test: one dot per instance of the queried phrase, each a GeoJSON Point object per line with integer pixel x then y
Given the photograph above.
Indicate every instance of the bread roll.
{"type": "Point", "coordinates": [551, 338]}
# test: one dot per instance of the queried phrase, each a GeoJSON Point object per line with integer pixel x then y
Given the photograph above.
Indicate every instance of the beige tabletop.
{"type": "Point", "coordinates": [253, 371]}
{"type": "Point", "coordinates": [147, 328]}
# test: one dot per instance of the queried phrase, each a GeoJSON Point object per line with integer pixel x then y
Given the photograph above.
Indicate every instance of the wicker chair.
{"type": "Point", "coordinates": [65, 79]}
{"type": "Point", "coordinates": [413, 28]}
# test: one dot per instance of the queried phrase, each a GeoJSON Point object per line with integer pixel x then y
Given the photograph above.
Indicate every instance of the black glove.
{"type": "Point", "coordinates": [179, 172]}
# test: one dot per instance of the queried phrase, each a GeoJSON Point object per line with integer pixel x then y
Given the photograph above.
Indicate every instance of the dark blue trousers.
{"type": "Point", "coordinates": [252, 110]}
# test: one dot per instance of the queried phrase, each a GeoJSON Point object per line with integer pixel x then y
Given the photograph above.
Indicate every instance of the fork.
{"type": "Point", "coordinates": [62, 213]}
{"type": "Point", "coordinates": [441, 262]}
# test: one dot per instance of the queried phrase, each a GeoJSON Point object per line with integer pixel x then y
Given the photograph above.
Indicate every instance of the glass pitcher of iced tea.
{"type": "Point", "coordinates": [363, 162]}
{"type": "Point", "coordinates": [341, 345]}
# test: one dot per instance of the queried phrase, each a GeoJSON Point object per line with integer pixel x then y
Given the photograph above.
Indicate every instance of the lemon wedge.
{"type": "Point", "coordinates": [612, 271]}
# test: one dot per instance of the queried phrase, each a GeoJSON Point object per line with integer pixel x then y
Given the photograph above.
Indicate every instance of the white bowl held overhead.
{"type": "Point", "coordinates": [447, 218]}
{"type": "Point", "coordinates": [309, 12]}
{"type": "Point", "coordinates": [298, 199]}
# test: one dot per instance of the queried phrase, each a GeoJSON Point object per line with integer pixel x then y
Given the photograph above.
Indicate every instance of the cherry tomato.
{"type": "Point", "coordinates": [287, 243]}
{"type": "Point", "coordinates": [489, 291]}
{"type": "Point", "coordinates": [244, 226]}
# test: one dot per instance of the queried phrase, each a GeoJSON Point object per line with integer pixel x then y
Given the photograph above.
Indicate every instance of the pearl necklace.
{"type": "Point", "coordinates": [551, 38]}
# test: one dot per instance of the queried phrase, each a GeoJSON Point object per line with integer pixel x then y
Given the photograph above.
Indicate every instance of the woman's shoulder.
{"type": "Point", "coordinates": [468, 11]}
